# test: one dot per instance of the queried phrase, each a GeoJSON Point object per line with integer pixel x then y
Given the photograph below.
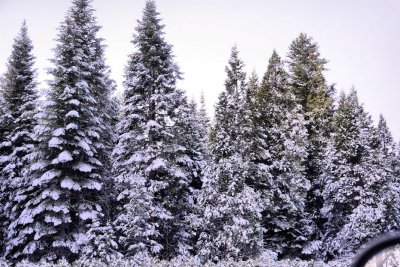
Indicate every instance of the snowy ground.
{"type": "Point", "coordinates": [267, 259]}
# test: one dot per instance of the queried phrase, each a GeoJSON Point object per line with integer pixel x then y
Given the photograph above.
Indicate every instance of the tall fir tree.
{"type": "Point", "coordinates": [249, 114]}
{"type": "Point", "coordinates": [154, 165]}
{"type": "Point", "coordinates": [205, 125]}
{"type": "Point", "coordinates": [203, 115]}
{"type": "Point", "coordinates": [190, 133]}
{"type": "Point", "coordinates": [279, 156]}
{"type": "Point", "coordinates": [225, 130]}
{"type": "Point", "coordinates": [195, 136]}
{"type": "Point", "coordinates": [308, 83]}
{"type": "Point", "coordinates": [231, 217]}
{"type": "Point", "coordinates": [19, 101]}
{"type": "Point", "coordinates": [253, 87]}
{"type": "Point", "coordinates": [65, 181]}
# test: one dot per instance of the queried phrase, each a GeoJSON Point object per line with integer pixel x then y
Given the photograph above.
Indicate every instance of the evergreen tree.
{"type": "Point", "coordinates": [101, 244]}
{"type": "Point", "coordinates": [195, 137]}
{"type": "Point", "coordinates": [5, 150]}
{"type": "Point", "coordinates": [252, 91]}
{"type": "Point", "coordinates": [225, 130]}
{"type": "Point", "coordinates": [384, 144]}
{"type": "Point", "coordinates": [203, 116]}
{"type": "Point", "coordinates": [231, 209]}
{"type": "Point", "coordinates": [66, 178]}
{"type": "Point", "coordinates": [250, 113]}
{"type": "Point", "coordinates": [19, 100]}
{"type": "Point", "coordinates": [154, 165]}
{"type": "Point", "coordinates": [279, 156]}
{"type": "Point", "coordinates": [205, 125]}
{"type": "Point", "coordinates": [307, 81]}
{"type": "Point", "coordinates": [360, 187]}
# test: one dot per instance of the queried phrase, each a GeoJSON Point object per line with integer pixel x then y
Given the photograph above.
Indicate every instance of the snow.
{"type": "Point", "coordinates": [63, 157]}
{"type": "Point", "coordinates": [93, 134]}
{"type": "Point", "coordinates": [168, 121]}
{"type": "Point", "coordinates": [137, 157]}
{"type": "Point", "coordinates": [72, 114]}
{"type": "Point", "coordinates": [70, 184]}
{"type": "Point", "coordinates": [4, 159]}
{"type": "Point", "coordinates": [82, 84]}
{"type": "Point", "coordinates": [53, 219]}
{"type": "Point", "coordinates": [74, 102]}
{"type": "Point", "coordinates": [83, 167]}
{"type": "Point", "coordinates": [156, 164]}
{"type": "Point", "coordinates": [71, 126]}
{"type": "Point", "coordinates": [73, 69]}
{"type": "Point", "coordinates": [58, 208]}
{"type": "Point", "coordinates": [179, 173]}
{"type": "Point", "coordinates": [90, 184]}
{"type": "Point", "coordinates": [83, 144]}
{"type": "Point", "coordinates": [55, 142]}
{"type": "Point", "coordinates": [38, 166]}
{"type": "Point", "coordinates": [85, 215]}
{"type": "Point", "coordinates": [19, 135]}
{"type": "Point", "coordinates": [153, 124]}
{"type": "Point", "coordinates": [59, 132]}
{"type": "Point", "coordinates": [47, 176]}
{"type": "Point", "coordinates": [53, 194]}
{"type": "Point", "coordinates": [266, 258]}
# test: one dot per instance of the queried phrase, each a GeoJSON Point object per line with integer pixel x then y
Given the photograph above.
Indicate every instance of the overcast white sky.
{"type": "Point", "coordinates": [360, 38]}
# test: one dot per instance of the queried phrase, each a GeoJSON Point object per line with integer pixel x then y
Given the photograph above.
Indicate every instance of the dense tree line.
{"type": "Point", "coordinates": [283, 167]}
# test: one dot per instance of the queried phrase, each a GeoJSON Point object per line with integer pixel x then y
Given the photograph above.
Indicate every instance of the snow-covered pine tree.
{"type": "Point", "coordinates": [225, 131]}
{"type": "Point", "coordinates": [279, 158]}
{"type": "Point", "coordinates": [249, 114]}
{"type": "Point", "coordinates": [358, 188]}
{"type": "Point", "coordinates": [231, 220]}
{"type": "Point", "coordinates": [5, 150]}
{"type": "Point", "coordinates": [307, 81]}
{"type": "Point", "coordinates": [19, 101]}
{"type": "Point", "coordinates": [203, 115]}
{"type": "Point", "coordinates": [100, 244]}
{"type": "Point", "coordinates": [154, 167]}
{"type": "Point", "coordinates": [252, 91]}
{"type": "Point", "coordinates": [66, 178]}
{"type": "Point", "coordinates": [193, 161]}
{"type": "Point", "coordinates": [194, 135]}
{"type": "Point", "coordinates": [205, 125]}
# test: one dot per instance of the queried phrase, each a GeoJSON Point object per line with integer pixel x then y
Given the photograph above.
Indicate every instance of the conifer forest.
{"type": "Point", "coordinates": [289, 172]}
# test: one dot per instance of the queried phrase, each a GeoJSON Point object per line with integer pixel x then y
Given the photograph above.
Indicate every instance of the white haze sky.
{"type": "Point", "coordinates": [360, 38]}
